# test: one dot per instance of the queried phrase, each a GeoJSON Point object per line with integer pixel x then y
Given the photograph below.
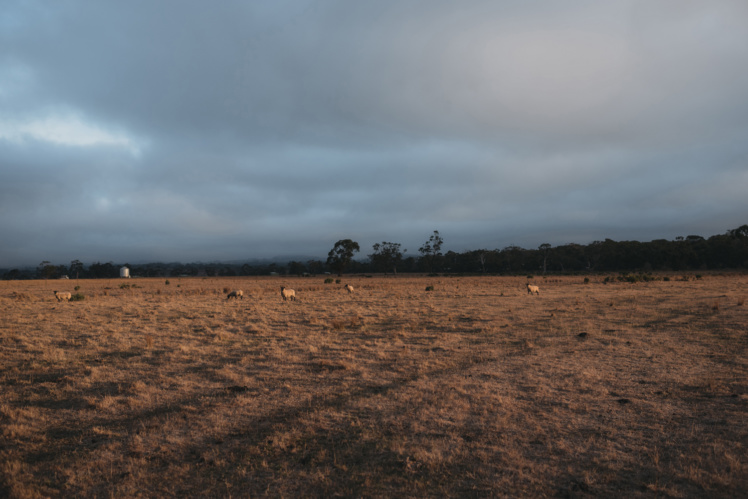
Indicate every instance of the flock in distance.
{"type": "Point", "coordinates": [286, 293]}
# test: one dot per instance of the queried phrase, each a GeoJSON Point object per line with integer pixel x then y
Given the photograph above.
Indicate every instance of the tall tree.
{"type": "Point", "coordinates": [386, 256]}
{"type": "Point", "coordinates": [482, 260]}
{"type": "Point", "coordinates": [544, 249]}
{"type": "Point", "coordinates": [76, 267]}
{"type": "Point", "coordinates": [46, 270]}
{"type": "Point", "coordinates": [341, 255]}
{"type": "Point", "coordinates": [432, 251]}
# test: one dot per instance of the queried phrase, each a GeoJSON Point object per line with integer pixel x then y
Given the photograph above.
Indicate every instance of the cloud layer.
{"type": "Point", "coordinates": [188, 131]}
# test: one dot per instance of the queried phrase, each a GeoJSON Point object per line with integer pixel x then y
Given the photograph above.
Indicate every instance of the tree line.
{"type": "Point", "coordinates": [719, 252]}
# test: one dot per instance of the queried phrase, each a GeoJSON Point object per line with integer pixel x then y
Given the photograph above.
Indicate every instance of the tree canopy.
{"type": "Point", "coordinates": [341, 255]}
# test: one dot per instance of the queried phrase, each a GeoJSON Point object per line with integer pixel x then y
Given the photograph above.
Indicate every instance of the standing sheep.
{"type": "Point", "coordinates": [532, 289]}
{"type": "Point", "coordinates": [348, 288]}
{"type": "Point", "coordinates": [62, 296]}
{"type": "Point", "coordinates": [236, 294]}
{"type": "Point", "coordinates": [288, 294]}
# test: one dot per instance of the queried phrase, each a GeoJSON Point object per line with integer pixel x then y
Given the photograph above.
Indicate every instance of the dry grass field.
{"type": "Point", "coordinates": [472, 389]}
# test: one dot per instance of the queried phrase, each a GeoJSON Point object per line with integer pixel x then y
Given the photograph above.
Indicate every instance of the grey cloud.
{"type": "Point", "coordinates": [241, 129]}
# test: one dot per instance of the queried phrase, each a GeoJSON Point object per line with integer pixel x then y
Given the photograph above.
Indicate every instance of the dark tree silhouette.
{"type": "Point", "coordinates": [76, 268]}
{"type": "Point", "coordinates": [432, 251]}
{"type": "Point", "coordinates": [46, 270]}
{"type": "Point", "coordinates": [544, 249]}
{"type": "Point", "coordinates": [386, 256]}
{"type": "Point", "coordinates": [341, 255]}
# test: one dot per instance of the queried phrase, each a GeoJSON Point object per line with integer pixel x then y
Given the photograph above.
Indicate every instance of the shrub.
{"type": "Point", "coordinates": [124, 286]}
{"type": "Point", "coordinates": [337, 324]}
{"type": "Point", "coordinates": [22, 296]}
{"type": "Point", "coordinates": [78, 297]}
{"type": "Point", "coordinates": [337, 281]}
{"type": "Point", "coordinates": [77, 288]}
{"type": "Point", "coordinates": [167, 282]}
{"type": "Point", "coordinates": [328, 280]}
{"type": "Point", "coordinates": [586, 280]}
{"type": "Point", "coordinates": [634, 278]}
{"type": "Point", "coordinates": [429, 288]}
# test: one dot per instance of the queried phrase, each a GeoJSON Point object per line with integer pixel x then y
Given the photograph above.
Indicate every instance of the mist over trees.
{"type": "Point", "coordinates": [690, 253]}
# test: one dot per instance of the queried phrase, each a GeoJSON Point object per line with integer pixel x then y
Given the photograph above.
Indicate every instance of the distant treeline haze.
{"type": "Point", "coordinates": [720, 252]}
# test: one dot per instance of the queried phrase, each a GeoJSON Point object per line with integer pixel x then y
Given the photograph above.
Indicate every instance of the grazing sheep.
{"type": "Point", "coordinates": [348, 288]}
{"type": "Point", "coordinates": [62, 296]}
{"type": "Point", "coordinates": [236, 294]}
{"type": "Point", "coordinates": [288, 294]}
{"type": "Point", "coordinates": [532, 289]}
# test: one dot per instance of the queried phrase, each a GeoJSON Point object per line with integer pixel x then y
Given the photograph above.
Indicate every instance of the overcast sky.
{"type": "Point", "coordinates": [211, 131]}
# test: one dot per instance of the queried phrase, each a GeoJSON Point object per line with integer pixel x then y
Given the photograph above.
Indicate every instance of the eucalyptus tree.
{"type": "Point", "coordinates": [386, 256]}
{"type": "Point", "coordinates": [431, 251]}
{"type": "Point", "coordinates": [341, 255]}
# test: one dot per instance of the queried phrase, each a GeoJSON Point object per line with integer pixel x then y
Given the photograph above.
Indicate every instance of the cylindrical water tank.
{"type": "Point", "coordinates": [124, 272]}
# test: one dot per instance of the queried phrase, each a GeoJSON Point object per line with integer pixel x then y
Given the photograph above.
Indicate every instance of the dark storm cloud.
{"type": "Point", "coordinates": [188, 131]}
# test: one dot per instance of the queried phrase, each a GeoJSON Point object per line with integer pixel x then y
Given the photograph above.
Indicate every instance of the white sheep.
{"type": "Point", "coordinates": [532, 289]}
{"type": "Point", "coordinates": [348, 288]}
{"type": "Point", "coordinates": [236, 294]}
{"type": "Point", "coordinates": [62, 296]}
{"type": "Point", "coordinates": [288, 294]}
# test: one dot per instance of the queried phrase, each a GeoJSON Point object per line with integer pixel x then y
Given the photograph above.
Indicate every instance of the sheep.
{"type": "Point", "coordinates": [348, 288]}
{"type": "Point", "coordinates": [288, 294]}
{"type": "Point", "coordinates": [532, 289]}
{"type": "Point", "coordinates": [62, 296]}
{"type": "Point", "coordinates": [236, 294]}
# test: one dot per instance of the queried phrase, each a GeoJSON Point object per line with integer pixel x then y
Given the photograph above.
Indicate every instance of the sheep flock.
{"type": "Point", "coordinates": [286, 293]}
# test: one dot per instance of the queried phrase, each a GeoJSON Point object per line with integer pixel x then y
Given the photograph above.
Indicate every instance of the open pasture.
{"type": "Point", "coordinates": [474, 388]}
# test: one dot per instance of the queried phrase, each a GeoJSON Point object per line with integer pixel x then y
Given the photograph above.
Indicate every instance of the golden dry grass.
{"type": "Point", "coordinates": [472, 389]}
